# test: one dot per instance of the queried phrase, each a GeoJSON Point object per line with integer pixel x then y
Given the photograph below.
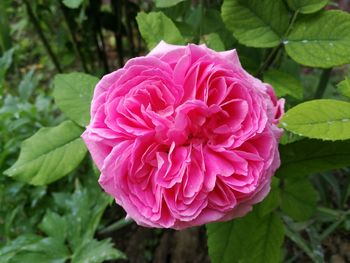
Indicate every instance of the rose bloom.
{"type": "Point", "coordinates": [184, 136]}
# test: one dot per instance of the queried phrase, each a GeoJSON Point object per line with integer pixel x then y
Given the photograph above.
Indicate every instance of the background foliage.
{"type": "Point", "coordinates": [54, 52]}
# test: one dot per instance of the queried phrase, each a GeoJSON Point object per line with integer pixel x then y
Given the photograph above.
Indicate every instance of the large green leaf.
{"type": "Point", "coordinates": [265, 239]}
{"type": "Point", "coordinates": [256, 23]}
{"type": "Point", "coordinates": [298, 198]}
{"type": "Point", "coordinates": [49, 154]}
{"type": "Point", "coordinates": [155, 26]}
{"type": "Point", "coordinates": [272, 201]}
{"type": "Point", "coordinates": [284, 84]}
{"type": "Point", "coordinates": [249, 239]}
{"type": "Point", "coordinates": [312, 156]}
{"type": "Point", "coordinates": [320, 119]}
{"type": "Point", "coordinates": [223, 242]}
{"type": "Point", "coordinates": [321, 40]}
{"type": "Point", "coordinates": [344, 87]}
{"type": "Point", "coordinates": [73, 95]}
{"type": "Point", "coordinates": [307, 6]}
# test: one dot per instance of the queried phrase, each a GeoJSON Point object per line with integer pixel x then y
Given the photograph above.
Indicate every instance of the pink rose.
{"type": "Point", "coordinates": [184, 136]}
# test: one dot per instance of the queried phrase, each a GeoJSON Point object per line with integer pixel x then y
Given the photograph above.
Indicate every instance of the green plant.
{"type": "Point", "coordinates": [301, 47]}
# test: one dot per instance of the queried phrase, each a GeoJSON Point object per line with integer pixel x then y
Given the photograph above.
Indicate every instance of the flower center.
{"type": "Point", "coordinates": [196, 122]}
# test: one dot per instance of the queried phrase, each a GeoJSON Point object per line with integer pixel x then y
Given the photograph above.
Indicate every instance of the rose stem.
{"type": "Point", "coordinates": [322, 84]}
{"type": "Point", "coordinates": [72, 35]}
{"type": "Point", "coordinates": [117, 9]}
{"type": "Point", "coordinates": [129, 28]}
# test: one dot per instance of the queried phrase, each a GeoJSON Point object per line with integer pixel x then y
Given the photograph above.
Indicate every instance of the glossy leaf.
{"type": "Point", "coordinates": [256, 23]}
{"type": "Point", "coordinates": [155, 26]}
{"type": "Point", "coordinates": [312, 156]}
{"type": "Point", "coordinates": [307, 6]}
{"type": "Point", "coordinates": [284, 84]}
{"type": "Point", "coordinates": [248, 239]}
{"type": "Point", "coordinates": [73, 94]}
{"type": "Point", "coordinates": [320, 40]}
{"type": "Point", "coordinates": [49, 154]}
{"type": "Point", "coordinates": [298, 198]}
{"type": "Point", "coordinates": [320, 119]}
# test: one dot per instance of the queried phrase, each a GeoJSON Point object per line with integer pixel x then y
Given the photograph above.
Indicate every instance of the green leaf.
{"type": "Point", "coordinates": [298, 198]}
{"type": "Point", "coordinates": [26, 86]}
{"type": "Point", "coordinates": [167, 3]}
{"type": "Point", "coordinates": [155, 26]}
{"type": "Point", "coordinates": [14, 246]}
{"type": "Point", "coordinates": [214, 42]}
{"type": "Point", "coordinates": [49, 154]}
{"type": "Point", "coordinates": [320, 40]}
{"type": "Point", "coordinates": [251, 58]}
{"type": "Point", "coordinates": [265, 239]}
{"type": "Point", "coordinates": [256, 23]}
{"type": "Point", "coordinates": [52, 247]}
{"type": "Point", "coordinates": [307, 6]}
{"type": "Point", "coordinates": [195, 19]}
{"type": "Point", "coordinates": [73, 94]}
{"type": "Point", "coordinates": [272, 201]}
{"type": "Point", "coordinates": [344, 87]}
{"type": "Point", "coordinates": [223, 242]}
{"type": "Point", "coordinates": [6, 60]}
{"type": "Point", "coordinates": [212, 22]}
{"type": "Point", "coordinates": [312, 156]}
{"type": "Point", "coordinates": [320, 119]}
{"type": "Point", "coordinates": [5, 63]}
{"type": "Point", "coordinates": [35, 257]}
{"type": "Point", "coordinates": [249, 239]}
{"type": "Point", "coordinates": [54, 226]}
{"type": "Point", "coordinates": [33, 248]}
{"type": "Point", "coordinates": [284, 84]}
{"type": "Point", "coordinates": [73, 3]}
{"type": "Point", "coordinates": [82, 211]}
{"type": "Point", "coordinates": [93, 251]}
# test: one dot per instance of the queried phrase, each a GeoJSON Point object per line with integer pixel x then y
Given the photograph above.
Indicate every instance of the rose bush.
{"type": "Point", "coordinates": [184, 136]}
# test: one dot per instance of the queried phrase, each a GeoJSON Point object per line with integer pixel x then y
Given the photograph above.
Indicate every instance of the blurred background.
{"type": "Point", "coordinates": [72, 220]}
